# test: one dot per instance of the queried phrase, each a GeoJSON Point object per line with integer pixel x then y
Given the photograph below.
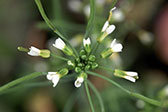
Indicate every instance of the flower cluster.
{"type": "Point", "coordinates": [85, 60]}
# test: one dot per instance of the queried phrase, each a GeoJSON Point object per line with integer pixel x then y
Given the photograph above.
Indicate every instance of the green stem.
{"type": "Point", "coordinates": [151, 101]}
{"type": "Point", "coordinates": [91, 18]}
{"type": "Point", "coordinates": [105, 68]}
{"type": "Point", "coordinates": [49, 23]}
{"type": "Point", "coordinates": [20, 80]}
{"type": "Point", "coordinates": [98, 95]}
{"type": "Point", "coordinates": [59, 57]}
{"type": "Point", "coordinates": [114, 3]}
{"type": "Point", "coordinates": [89, 97]}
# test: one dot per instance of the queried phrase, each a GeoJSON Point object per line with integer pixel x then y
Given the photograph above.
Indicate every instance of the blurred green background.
{"type": "Point", "coordinates": [143, 30]}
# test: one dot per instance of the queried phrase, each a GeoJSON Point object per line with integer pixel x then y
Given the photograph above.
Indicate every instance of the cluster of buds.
{"type": "Point", "coordinates": [83, 63]}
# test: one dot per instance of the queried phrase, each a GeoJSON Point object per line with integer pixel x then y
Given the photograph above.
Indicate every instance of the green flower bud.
{"type": "Point", "coordinates": [77, 60]}
{"type": "Point", "coordinates": [92, 58]}
{"type": "Point", "coordinates": [80, 64]}
{"type": "Point", "coordinates": [89, 62]}
{"type": "Point", "coordinates": [71, 63]}
{"type": "Point", "coordinates": [84, 57]}
{"type": "Point", "coordinates": [87, 67]}
{"type": "Point", "coordinates": [22, 49]}
{"type": "Point", "coordinates": [94, 65]}
{"type": "Point", "coordinates": [78, 69]}
{"type": "Point", "coordinates": [82, 52]}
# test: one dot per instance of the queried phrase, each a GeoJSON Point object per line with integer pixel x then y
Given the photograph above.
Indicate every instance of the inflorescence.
{"type": "Point", "coordinates": [85, 60]}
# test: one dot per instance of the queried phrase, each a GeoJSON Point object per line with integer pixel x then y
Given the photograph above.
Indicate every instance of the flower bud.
{"type": "Point", "coordinates": [92, 58]}
{"type": "Point", "coordinates": [87, 44]}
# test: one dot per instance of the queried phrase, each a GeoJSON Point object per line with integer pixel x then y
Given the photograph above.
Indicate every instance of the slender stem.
{"type": "Point", "coordinates": [91, 18]}
{"type": "Point", "coordinates": [59, 57]}
{"type": "Point", "coordinates": [109, 80]}
{"type": "Point", "coordinates": [50, 24]}
{"type": "Point", "coordinates": [108, 69]}
{"type": "Point", "coordinates": [151, 101]}
{"type": "Point", "coordinates": [98, 95]}
{"type": "Point", "coordinates": [20, 80]}
{"type": "Point", "coordinates": [114, 3]}
{"type": "Point", "coordinates": [89, 97]}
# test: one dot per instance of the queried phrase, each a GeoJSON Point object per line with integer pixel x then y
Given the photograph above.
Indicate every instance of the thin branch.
{"type": "Point", "coordinates": [151, 101]}
{"type": "Point", "coordinates": [98, 95]}
{"type": "Point", "coordinates": [49, 23]}
{"type": "Point", "coordinates": [91, 18]}
{"type": "Point", "coordinates": [21, 80]}
{"type": "Point", "coordinates": [89, 97]}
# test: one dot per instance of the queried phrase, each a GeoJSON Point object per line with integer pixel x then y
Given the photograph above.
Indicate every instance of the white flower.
{"type": "Point", "coordinates": [86, 41]}
{"type": "Point", "coordinates": [116, 47]}
{"type": "Point", "coordinates": [59, 43]}
{"type": "Point", "coordinates": [79, 81]}
{"type": "Point", "coordinates": [34, 51]}
{"type": "Point", "coordinates": [54, 77]}
{"type": "Point", "coordinates": [131, 76]}
{"type": "Point", "coordinates": [108, 28]}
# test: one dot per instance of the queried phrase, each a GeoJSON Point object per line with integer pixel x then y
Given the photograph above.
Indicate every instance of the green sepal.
{"type": "Point", "coordinates": [68, 51]}
{"type": "Point", "coordinates": [45, 53]}
{"type": "Point", "coordinates": [87, 48]}
{"type": "Point", "coordinates": [63, 72]}
{"type": "Point", "coordinates": [101, 37]}
{"type": "Point", "coordinates": [106, 53]}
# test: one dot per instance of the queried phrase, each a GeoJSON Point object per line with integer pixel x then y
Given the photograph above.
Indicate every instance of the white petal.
{"type": "Point", "coordinates": [86, 41]}
{"type": "Point", "coordinates": [79, 81]}
{"type": "Point", "coordinates": [113, 43]}
{"type": "Point", "coordinates": [130, 78]}
{"type": "Point", "coordinates": [50, 75]}
{"type": "Point", "coordinates": [55, 80]}
{"type": "Point", "coordinates": [59, 43]}
{"type": "Point", "coordinates": [132, 73]}
{"type": "Point", "coordinates": [106, 24]}
{"type": "Point", "coordinates": [34, 51]}
{"type": "Point", "coordinates": [110, 29]}
{"type": "Point", "coordinates": [113, 9]}
{"type": "Point", "coordinates": [117, 48]}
